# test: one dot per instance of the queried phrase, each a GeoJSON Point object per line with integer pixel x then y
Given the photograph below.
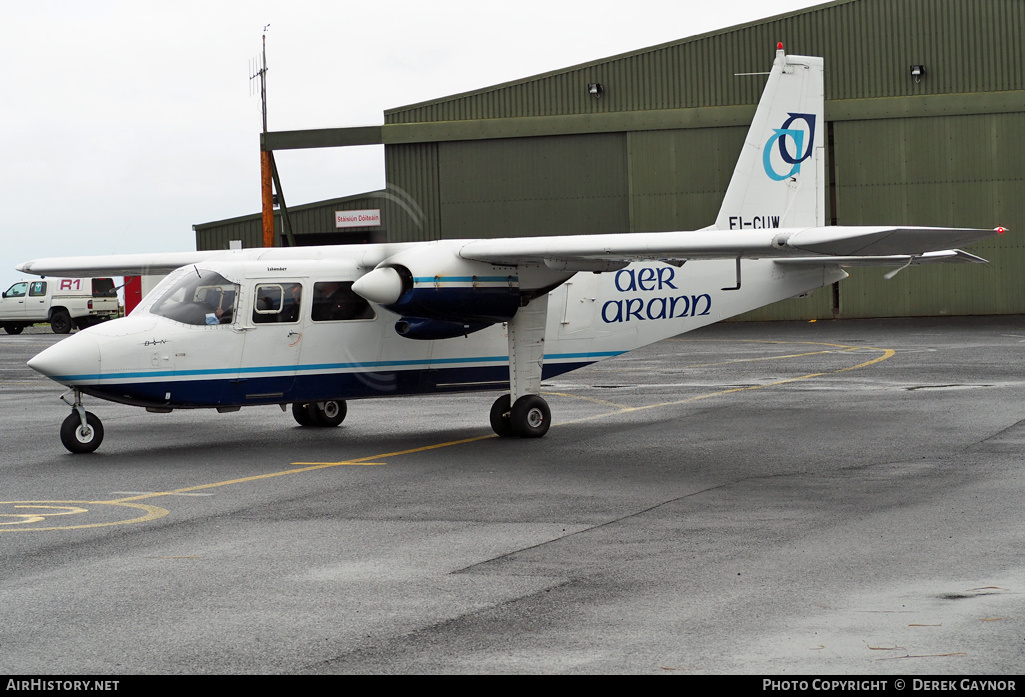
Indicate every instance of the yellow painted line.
{"type": "Point", "coordinates": [421, 449]}
{"type": "Point", "coordinates": [240, 480]}
{"type": "Point", "coordinates": [60, 508]}
{"type": "Point", "coordinates": [305, 467]}
{"type": "Point", "coordinates": [603, 402]}
{"type": "Point", "coordinates": [762, 358]}
{"type": "Point", "coordinates": [887, 353]}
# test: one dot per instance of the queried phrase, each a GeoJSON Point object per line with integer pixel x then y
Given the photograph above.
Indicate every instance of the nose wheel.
{"type": "Point", "coordinates": [82, 431]}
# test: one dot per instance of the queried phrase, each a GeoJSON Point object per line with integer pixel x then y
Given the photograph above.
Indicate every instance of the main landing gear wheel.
{"type": "Point", "coordinates": [82, 439]}
{"type": "Point", "coordinates": [326, 414]}
{"type": "Point", "coordinates": [530, 417]}
{"type": "Point", "coordinates": [500, 417]}
{"type": "Point", "coordinates": [301, 414]}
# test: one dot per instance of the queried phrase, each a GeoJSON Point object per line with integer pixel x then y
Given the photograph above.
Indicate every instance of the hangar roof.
{"type": "Point", "coordinates": [869, 46]}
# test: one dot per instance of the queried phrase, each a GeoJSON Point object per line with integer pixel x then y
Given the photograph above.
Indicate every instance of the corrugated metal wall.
{"type": "Point", "coordinates": [504, 188]}
{"type": "Point", "coordinates": [413, 170]}
{"type": "Point", "coordinates": [677, 178]}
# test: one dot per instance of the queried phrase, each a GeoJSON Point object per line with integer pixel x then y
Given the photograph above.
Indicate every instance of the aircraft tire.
{"type": "Point", "coordinates": [500, 417]}
{"type": "Point", "coordinates": [79, 440]}
{"type": "Point", "coordinates": [60, 322]}
{"type": "Point", "coordinates": [13, 328]}
{"type": "Point", "coordinates": [301, 414]}
{"type": "Point", "coordinates": [530, 416]}
{"type": "Point", "coordinates": [328, 414]}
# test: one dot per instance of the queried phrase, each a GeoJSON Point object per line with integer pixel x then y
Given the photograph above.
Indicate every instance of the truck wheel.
{"type": "Point", "coordinates": [13, 328]}
{"type": "Point", "coordinates": [60, 322]}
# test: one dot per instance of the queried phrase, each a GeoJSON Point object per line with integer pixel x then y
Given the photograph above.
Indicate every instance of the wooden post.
{"type": "Point", "coordinates": [268, 199]}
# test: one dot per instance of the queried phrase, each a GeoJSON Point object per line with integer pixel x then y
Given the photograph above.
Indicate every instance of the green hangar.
{"type": "Point", "coordinates": [925, 112]}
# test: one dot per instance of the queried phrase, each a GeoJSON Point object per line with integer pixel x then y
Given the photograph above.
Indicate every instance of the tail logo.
{"type": "Point", "coordinates": [801, 151]}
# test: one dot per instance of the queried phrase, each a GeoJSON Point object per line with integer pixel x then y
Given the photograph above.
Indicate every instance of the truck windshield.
{"type": "Point", "coordinates": [199, 297]}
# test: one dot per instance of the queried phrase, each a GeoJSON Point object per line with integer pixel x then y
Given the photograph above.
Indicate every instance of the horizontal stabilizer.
{"type": "Point", "coordinates": [883, 241]}
{"type": "Point", "coordinates": [947, 256]}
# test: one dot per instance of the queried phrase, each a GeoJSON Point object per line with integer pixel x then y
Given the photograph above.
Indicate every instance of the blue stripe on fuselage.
{"type": "Point", "coordinates": [358, 365]}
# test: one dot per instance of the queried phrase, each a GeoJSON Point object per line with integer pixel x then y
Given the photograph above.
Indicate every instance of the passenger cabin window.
{"type": "Point", "coordinates": [335, 300]}
{"type": "Point", "coordinates": [37, 289]}
{"type": "Point", "coordinates": [203, 297]}
{"type": "Point", "coordinates": [277, 302]}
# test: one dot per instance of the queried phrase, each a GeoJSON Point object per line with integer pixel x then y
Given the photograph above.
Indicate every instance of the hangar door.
{"type": "Point", "coordinates": [952, 171]}
{"type": "Point", "coordinates": [516, 187]}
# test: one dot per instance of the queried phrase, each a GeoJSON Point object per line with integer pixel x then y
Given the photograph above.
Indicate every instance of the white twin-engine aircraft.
{"type": "Point", "coordinates": [315, 326]}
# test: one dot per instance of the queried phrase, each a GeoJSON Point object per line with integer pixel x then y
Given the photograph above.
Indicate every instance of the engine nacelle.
{"type": "Point", "coordinates": [436, 284]}
{"type": "Point", "coordinates": [431, 329]}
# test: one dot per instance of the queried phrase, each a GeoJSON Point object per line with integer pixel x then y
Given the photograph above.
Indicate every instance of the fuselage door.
{"type": "Point", "coordinates": [273, 326]}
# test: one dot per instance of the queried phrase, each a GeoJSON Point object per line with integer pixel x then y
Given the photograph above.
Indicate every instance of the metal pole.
{"type": "Point", "coordinates": [265, 161]}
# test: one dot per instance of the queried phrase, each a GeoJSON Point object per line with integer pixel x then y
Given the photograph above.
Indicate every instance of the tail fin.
{"type": "Point", "coordinates": [779, 178]}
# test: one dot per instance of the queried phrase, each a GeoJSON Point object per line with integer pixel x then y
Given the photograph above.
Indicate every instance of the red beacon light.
{"type": "Point", "coordinates": [779, 46]}
{"type": "Point", "coordinates": [1000, 230]}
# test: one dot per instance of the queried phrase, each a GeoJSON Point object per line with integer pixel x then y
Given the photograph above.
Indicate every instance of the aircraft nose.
{"type": "Point", "coordinates": [75, 359]}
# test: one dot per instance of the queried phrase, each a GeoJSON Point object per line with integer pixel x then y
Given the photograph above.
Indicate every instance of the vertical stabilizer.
{"type": "Point", "coordinates": [779, 180]}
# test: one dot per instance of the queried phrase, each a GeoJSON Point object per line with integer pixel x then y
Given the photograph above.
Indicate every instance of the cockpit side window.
{"type": "Point", "coordinates": [200, 298]}
{"type": "Point", "coordinates": [335, 300]}
{"type": "Point", "coordinates": [277, 302]}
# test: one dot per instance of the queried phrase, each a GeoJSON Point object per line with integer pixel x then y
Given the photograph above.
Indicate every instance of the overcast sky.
{"type": "Point", "coordinates": [126, 122]}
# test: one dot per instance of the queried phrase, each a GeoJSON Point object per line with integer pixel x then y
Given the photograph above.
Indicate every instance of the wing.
{"type": "Point", "coordinates": [157, 264]}
{"type": "Point", "coordinates": [817, 245]}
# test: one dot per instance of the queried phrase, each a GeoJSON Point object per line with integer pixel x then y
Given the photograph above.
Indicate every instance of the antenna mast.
{"type": "Point", "coordinates": [267, 194]}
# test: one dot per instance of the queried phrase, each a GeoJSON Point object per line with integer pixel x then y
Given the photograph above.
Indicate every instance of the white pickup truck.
{"type": "Point", "coordinates": [63, 302]}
